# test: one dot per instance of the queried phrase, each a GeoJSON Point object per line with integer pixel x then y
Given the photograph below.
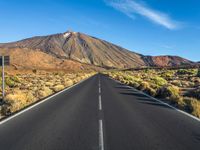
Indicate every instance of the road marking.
{"type": "Point", "coordinates": [101, 140]}
{"type": "Point", "coordinates": [99, 90]}
{"type": "Point", "coordinates": [180, 111]}
{"type": "Point", "coordinates": [99, 86]}
{"type": "Point", "coordinates": [100, 103]}
{"type": "Point", "coordinates": [101, 137]}
{"type": "Point", "coordinates": [40, 102]}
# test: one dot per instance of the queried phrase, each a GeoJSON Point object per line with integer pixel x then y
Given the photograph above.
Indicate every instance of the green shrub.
{"type": "Point", "coordinates": [158, 81]}
{"type": "Point", "coordinates": [168, 74]}
{"type": "Point", "coordinates": [186, 71]}
{"type": "Point", "coordinates": [9, 82]}
{"type": "Point", "coordinates": [128, 77]}
{"type": "Point", "coordinates": [198, 73]}
{"type": "Point", "coordinates": [15, 79]}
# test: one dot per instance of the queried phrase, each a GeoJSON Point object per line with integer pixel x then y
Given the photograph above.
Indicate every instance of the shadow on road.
{"type": "Point", "coordinates": [155, 104]}
{"type": "Point", "coordinates": [197, 137]}
{"type": "Point", "coordinates": [143, 99]}
{"type": "Point", "coordinates": [135, 94]}
{"type": "Point", "coordinates": [123, 87]}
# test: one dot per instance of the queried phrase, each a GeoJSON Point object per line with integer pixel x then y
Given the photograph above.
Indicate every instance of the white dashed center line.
{"type": "Point", "coordinates": [101, 143]}
{"type": "Point", "coordinates": [100, 104]}
{"type": "Point", "coordinates": [101, 140]}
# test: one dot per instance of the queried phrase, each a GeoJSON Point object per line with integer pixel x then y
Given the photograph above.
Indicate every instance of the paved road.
{"type": "Point", "coordinates": [100, 114]}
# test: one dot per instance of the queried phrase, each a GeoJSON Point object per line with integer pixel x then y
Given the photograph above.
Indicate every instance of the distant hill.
{"type": "Point", "coordinates": [84, 49]}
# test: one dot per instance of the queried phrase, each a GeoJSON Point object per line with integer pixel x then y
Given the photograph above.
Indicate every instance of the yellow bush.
{"type": "Point", "coordinates": [44, 92]}
{"type": "Point", "coordinates": [193, 105]}
{"type": "Point", "coordinates": [18, 100]}
{"type": "Point", "coordinates": [68, 83]}
{"type": "Point", "coordinates": [58, 88]}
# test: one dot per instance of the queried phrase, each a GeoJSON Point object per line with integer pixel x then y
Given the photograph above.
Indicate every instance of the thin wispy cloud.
{"type": "Point", "coordinates": [133, 7]}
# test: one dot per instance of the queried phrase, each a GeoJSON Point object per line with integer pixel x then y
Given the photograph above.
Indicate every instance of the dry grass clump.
{"type": "Point", "coordinates": [17, 100]}
{"type": "Point", "coordinates": [187, 72]}
{"type": "Point", "coordinates": [58, 88]}
{"type": "Point", "coordinates": [172, 93]}
{"type": "Point", "coordinates": [193, 106]}
{"type": "Point", "coordinates": [44, 92]}
{"type": "Point", "coordinates": [158, 80]}
{"type": "Point", "coordinates": [168, 91]}
{"type": "Point", "coordinates": [68, 83]}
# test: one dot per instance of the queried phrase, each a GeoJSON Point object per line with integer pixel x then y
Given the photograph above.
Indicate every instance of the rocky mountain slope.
{"type": "Point", "coordinates": [23, 58]}
{"type": "Point", "coordinates": [90, 50]}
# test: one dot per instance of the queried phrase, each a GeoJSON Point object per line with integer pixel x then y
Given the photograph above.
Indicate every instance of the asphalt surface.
{"type": "Point", "coordinates": [100, 114]}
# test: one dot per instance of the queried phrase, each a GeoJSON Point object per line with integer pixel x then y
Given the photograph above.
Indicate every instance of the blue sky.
{"type": "Point", "coordinates": [150, 27]}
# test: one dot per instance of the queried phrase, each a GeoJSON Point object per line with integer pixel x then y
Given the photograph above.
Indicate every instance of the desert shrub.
{"type": "Point", "coordinates": [146, 87]}
{"type": "Point", "coordinates": [143, 85]}
{"type": "Point", "coordinates": [128, 77]}
{"type": "Point", "coordinates": [193, 106]}
{"type": "Point", "coordinates": [196, 81]}
{"type": "Point", "coordinates": [125, 81]}
{"type": "Point", "coordinates": [15, 79]}
{"type": "Point", "coordinates": [134, 84]}
{"type": "Point", "coordinates": [198, 73]}
{"type": "Point", "coordinates": [150, 91]}
{"type": "Point", "coordinates": [49, 84]}
{"type": "Point", "coordinates": [187, 84]}
{"type": "Point", "coordinates": [9, 82]}
{"type": "Point", "coordinates": [177, 100]}
{"type": "Point", "coordinates": [44, 92]}
{"type": "Point", "coordinates": [176, 83]}
{"type": "Point", "coordinates": [68, 83]}
{"type": "Point", "coordinates": [186, 72]}
{"type": "Point", "coordinates": [167, 74]}
{"type": "Point", "coordinates": [158, 80]}
{"type": "Point", "coordinates": [34, 70]}
{"type": "Point", "coordinates": [16, 101]}
{"type": "Point", "coordinates": [58, 88]}
{"type": "Point", "coordinates": [168, 91]}
{"type": "Point", "coordinates": [171, 93]}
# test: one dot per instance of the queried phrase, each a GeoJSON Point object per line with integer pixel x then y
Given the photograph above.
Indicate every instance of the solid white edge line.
{"type": "Point", "coordinates": [101, 140]}
{"type": "Point", "coordinates": [181, 111]}
{"type": "Point", "coordinates": [40, 102]}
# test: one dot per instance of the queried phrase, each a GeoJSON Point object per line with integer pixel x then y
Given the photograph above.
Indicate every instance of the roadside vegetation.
{"type": "Point", "coordinates": [180, 88]}
{"type": "Point", "coordinates": [27, 88]}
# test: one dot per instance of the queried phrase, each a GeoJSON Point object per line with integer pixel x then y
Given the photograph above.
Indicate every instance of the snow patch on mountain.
{"type": "Point", "coordinates": [66, 35]}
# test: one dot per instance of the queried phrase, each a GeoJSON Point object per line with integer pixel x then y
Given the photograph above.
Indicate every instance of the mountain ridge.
{"type": "Point", "coordinates": [91, 50]}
